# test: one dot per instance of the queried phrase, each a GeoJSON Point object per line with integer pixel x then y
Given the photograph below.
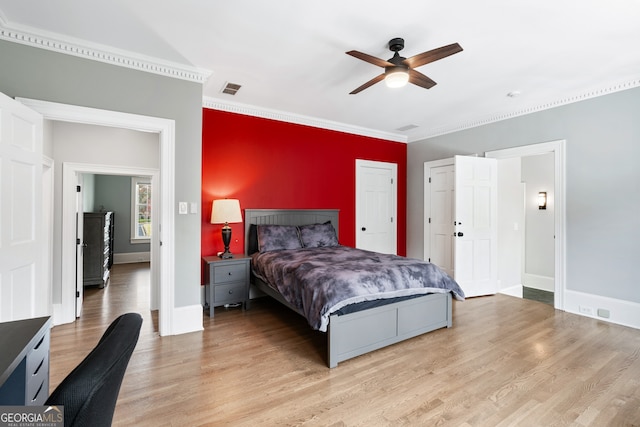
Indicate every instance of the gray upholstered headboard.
{"type": "Point", "coordinates": [287, 217]}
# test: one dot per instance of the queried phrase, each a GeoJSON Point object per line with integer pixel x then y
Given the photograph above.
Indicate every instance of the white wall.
{"type": "Point", "coordinates": [537, 174]}
{"type": "Point", "coordinates": [510, 226]}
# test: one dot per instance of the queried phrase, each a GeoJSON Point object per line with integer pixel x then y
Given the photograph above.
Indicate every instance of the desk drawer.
{"type": "Point", "coordinates": [38, 384]}
{"type": "Point", "coordinates": [232, 292]}
{"type": "Point", "coordinates": [37, 372]}
{"type": "Point", "coordinates": [229, 273]}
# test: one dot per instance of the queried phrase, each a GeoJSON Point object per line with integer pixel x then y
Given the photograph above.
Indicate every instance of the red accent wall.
{"type": "Point", "coordinates": [271, 164]}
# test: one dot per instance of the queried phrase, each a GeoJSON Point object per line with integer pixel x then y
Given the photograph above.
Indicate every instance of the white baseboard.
{"type": "Point", "coordinates": [57, 316]}
{"type": "Point", "coordinates": [187, 319]}
{"type": "Point", "coordinates": [514, 291]}
{"type": "Point", "coordinates": [535, 281]}
{"type": "Point", "coordinates": [131, 257]}
{"type": "Point", "coordinates": [621, 312]}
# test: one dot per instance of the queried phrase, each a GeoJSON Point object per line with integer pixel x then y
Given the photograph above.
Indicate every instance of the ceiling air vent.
{"type": "Point", "coordinates": [406, 128]}
{"type": "Point", "coordinates": [231, 88]}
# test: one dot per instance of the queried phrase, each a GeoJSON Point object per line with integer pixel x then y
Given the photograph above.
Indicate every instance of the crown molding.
{"type": "Point", "coordinates": [532, 109]}
{"type": "Point", "coordinates": [96, 52]}
{"type": "Point", "coordinates": [250, 110]}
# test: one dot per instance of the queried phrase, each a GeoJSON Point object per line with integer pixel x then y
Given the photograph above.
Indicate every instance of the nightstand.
{"type": "Point", "coordinates": [228, 281]}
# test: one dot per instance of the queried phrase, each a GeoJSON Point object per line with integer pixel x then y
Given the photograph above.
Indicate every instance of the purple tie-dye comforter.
{"type": "Point", "coordinates": [319, 281]}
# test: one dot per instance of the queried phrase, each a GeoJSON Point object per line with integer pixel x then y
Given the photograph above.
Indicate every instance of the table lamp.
{"type": "Point", "coordinates": [224, 211]}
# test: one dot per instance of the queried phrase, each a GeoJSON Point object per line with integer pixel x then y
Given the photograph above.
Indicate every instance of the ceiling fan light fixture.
{"type": "Point", "coordinates": [397, 77]}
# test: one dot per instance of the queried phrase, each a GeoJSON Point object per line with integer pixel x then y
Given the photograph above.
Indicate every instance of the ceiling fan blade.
{"type": "Point", "coordinates": [370, 59]}
{"type": "Point", "coordinates": [367, 84]}
{"type": "Point", "coordinates": [420, 79]}
{"type": "Point", "coordinates": [432, 55]}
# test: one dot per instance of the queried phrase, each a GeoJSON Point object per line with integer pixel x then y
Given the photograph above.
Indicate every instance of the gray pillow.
{"type": "Point", "coordinates": [278, 237]}
{"type": "Point", "coordinates": [318, 235]}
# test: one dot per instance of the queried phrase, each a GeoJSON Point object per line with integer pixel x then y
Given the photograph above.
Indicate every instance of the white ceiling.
{"type": "Point", "coordinates": [289, 55]}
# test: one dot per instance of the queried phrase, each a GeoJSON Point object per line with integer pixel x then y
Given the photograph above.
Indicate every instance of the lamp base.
{"type": "Point", "coordinates": [226, 239]}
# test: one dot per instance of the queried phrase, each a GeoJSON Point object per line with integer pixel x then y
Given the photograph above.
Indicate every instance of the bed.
{"type": "Point", "coordinates": [363, 326]}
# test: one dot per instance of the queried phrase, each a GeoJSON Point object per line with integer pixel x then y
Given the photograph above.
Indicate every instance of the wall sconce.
{"type": "Point", "coordinates": [223, 212]}
{"type": "Point", "coordinates": [542, 200]}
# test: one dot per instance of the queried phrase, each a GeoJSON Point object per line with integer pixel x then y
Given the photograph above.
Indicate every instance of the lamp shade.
{"type": "Point", "coordinates": [397, 77]}
{"type": "Point", "coordinates": [225, 210]}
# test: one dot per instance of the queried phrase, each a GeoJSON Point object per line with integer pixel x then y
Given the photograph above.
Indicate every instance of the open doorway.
{"type": "Point", "coordinates": [124, 202]}
{"type": "Point", "coordinates": [64, 295]}
{"type": "Point", "coordinates": [523, 202]}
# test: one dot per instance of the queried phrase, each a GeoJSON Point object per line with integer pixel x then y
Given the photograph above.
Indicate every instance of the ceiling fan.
{"type": "Point", "coordinates": [399, 70]}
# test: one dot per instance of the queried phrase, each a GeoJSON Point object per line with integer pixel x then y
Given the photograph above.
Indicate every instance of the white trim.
{"type": "Point", "coordinates": [188, 319]}
{"type": "Point", "coordinates": [35, 37]}
{"type": "Point", "coordinates": [559, 149]}
{"type": "Point", "coordinates": [514, 291]}
{"type": "Point", "coordinates": [497, 117]}
{"type": "Point", "coordinates": [536, 281]}
{"type": "Point", "coordinates": [70, 171]}
{"type": "Point", "coordinates": [250, 110]}
{"type": "Point", "coordinates": [166, 130]}
{"type": "Point", "coordinates": [39, 38]}
{"type": "Point", "coordinates": [133, 233]}
{"type": "Point", "coordinates": [621, 312]}
{"type": "Point", "coordinates": [131, 257]}
{"type": "Point", "coordinates": [48, 178]}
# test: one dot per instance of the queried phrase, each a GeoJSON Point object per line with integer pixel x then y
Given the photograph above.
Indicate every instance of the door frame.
{"type": "Point", "coordinates": [65, 312]}
{"type": "Point", "coordinates": [557, 147]}
{"type": "Point", "coordinates": [393, 167]}
{"type": "Point", "coordinates": [70, 172]}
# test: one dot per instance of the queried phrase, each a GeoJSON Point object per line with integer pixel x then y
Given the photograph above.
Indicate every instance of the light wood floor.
{"type": "Point", "coordinates": [505, 362]}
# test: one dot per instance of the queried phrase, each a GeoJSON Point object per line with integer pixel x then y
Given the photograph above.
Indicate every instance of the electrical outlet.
{"type": "Point", "coordinates": [586, 310]}
{"type": "Point", "coordinates": [603, 312]}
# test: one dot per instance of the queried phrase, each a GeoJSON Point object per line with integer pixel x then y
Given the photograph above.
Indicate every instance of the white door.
{"type": "Point", "coordinates": [475, 221]}
{"type": "Point", "coordinates": [441, 182]}
{"type": "Point", "coordinates": [79, 245]}
{"type": "Point", "coordinates": [21, 240]}
{"type": "Point", "coordinates": [376, 205]}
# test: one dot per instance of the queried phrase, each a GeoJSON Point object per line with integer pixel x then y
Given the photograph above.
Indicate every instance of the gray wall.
{"type": "Point", "coordinates": [113, 193]}
{"type": "Point", "coordinates": [602, 184]}
{"type": "Point", "coordinates": [40, 74]}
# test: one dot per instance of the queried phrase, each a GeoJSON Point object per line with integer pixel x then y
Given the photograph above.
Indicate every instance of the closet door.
{"type": "Point", "coordinates": [475, 225]}
{"type": "Point", "coordinates": [23, 293]}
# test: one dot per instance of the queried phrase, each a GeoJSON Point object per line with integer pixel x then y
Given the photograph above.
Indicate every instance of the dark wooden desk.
{"type": "Point", "coordinates": [24, 361]}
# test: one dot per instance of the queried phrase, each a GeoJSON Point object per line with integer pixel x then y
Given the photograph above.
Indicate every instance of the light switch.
{"type": "Point", "coordinates": [194, 207]}
{"type": "Point", "coordinates": [182, 208]}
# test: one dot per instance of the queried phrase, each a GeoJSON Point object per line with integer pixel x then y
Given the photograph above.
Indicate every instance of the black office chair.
{"type": "Point", "coordinates": [89, 393]}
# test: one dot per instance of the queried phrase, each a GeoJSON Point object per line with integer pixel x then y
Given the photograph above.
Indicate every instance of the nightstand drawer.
{"type": "Point", "coordinates": [229, 273]}
{"type": "Point", "coordinates": [232, 292]}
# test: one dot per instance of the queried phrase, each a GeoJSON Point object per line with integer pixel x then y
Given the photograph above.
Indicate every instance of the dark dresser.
{"type": "Point", "coordinates": [98, 249]}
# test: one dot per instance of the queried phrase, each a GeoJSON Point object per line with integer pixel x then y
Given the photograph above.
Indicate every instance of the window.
{"type": "Point", "coordinates": [140, 210]}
